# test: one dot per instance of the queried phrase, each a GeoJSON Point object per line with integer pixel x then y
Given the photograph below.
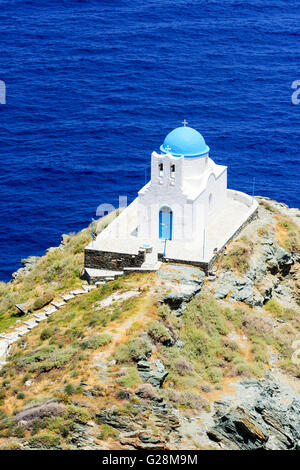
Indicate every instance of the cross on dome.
{"type": "Point", "coordinates": [184, 141]}
{"type": "Point", "coordinates": [184, 122]}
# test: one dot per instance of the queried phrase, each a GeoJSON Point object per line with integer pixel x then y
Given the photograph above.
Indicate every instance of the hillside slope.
{"type": "Point", "coordinates": [160, 360]}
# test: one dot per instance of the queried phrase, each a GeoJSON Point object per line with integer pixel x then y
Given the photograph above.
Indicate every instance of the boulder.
{"type": "Point", "coordinates": [116, 419]}
{"type": "Point", "coordinates": [181, 284]}
{"type": "Point", "coordinates": [142, 440]}
{"type": "Point", "coordinates": [30, 262]}
{"type": "Point", "coordinates": [277, 257]}
{"type": "Point", "coordinates": [155, 376]}
{"type": "Point", "coordinates": [23, 309]}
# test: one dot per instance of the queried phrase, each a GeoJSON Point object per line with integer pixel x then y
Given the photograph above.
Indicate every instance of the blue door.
{"type": "Point", "coordinates": [165, 223]}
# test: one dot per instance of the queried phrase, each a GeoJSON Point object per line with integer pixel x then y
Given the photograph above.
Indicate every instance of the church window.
{"type": "Point", "coordinates": [172, 169]}
{"type": "Point", "coordinates": [161, 169]}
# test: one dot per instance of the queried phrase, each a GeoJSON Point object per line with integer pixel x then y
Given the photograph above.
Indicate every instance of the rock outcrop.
{"type": "Point", "coordinates": [28, 264]}
{"type": "Point", "coordinates": [180, 285]}
{"type": "Point", "coordinates": [268, 419]}
{"type": "Point", "coordinates": [269, 265]}
{"type": "Point", "coordinates": [153, 375]}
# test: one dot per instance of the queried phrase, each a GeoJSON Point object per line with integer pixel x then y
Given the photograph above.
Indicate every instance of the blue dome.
{"type": "Point", "coordinates": [185, 141]}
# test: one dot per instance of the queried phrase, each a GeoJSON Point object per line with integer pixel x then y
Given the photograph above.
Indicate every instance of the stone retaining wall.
{"type": "Point", "coordinates": [199, 264]}
{"type": "Point", "coordinates": [250, 218]}
{"type": "Point", "coordinates": [98, 259]}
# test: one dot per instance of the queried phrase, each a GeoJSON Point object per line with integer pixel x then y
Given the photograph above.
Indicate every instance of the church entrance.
{"type": "Point", "coordinates": [165, 223]}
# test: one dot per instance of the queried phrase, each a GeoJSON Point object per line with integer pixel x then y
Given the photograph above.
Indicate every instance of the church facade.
{"type": "Point", "coordinates": [187, 189]}
{"type": "Point", "coordinates": [184, 214]}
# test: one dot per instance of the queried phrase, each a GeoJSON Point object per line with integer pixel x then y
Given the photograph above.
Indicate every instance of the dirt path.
{"type": "Point", "coordinates": [118, 331]}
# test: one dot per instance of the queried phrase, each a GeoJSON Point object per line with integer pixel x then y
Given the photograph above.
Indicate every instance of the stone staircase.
{"type": "Point", "coordinates": [21, 327]}
{"type": "Point", "coordinates": [151, 262]}
{"type": "Point", "coordinates": [96, 276]}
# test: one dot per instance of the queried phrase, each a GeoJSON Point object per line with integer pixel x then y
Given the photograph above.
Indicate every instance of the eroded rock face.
{"type": "Point", "coordinates": [153, 375]}
{"type": "Point", "coordinates": [240, 289]}
{"type": "Point", "coordinates": [142, 440]}
{"type": "Point", "coordinates": [181, 284]}
{"type": "Point", "coordinates": [269, 419]}
{"type": "Point", "coordinates": [277, 257]}
{"type": "Point", "coordinates": [116, 419]}
{"type": "Point", "coordinates": [269, 266]}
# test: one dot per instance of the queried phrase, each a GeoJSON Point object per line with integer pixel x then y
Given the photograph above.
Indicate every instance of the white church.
{"type": "Point", "coordinates": [186, 189]}
{"type": "Point", "coordinates": [184, 214]}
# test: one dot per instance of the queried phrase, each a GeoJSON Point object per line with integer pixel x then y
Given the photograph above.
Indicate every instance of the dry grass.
{"type": "Point", "coordinates": [237, 256]}
{"type": "Point", "coordinates": [61, 267]}
{"type": "Point", "coordinates": [288, 234]}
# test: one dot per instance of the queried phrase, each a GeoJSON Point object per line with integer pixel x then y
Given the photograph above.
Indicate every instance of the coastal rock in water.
{"type": "Point", "coordinates": [28, 264]}
{"type": "Point", "coordinates": [30, 261]}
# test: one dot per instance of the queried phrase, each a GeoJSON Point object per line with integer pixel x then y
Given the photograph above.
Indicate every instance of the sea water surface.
{"type": "Point", "coordinates": [93, 87]}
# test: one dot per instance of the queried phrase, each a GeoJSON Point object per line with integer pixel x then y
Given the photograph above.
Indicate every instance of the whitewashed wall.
{"type": "Point", "coordinates": [190, 214]}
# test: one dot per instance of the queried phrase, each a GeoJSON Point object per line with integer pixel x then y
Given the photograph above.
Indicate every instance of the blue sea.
{"type": "Point", "coordinates": [93, 87]}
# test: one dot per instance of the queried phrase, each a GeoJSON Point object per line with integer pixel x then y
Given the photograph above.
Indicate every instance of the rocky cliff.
{"type": "Point", "coordinates": [166, 360]}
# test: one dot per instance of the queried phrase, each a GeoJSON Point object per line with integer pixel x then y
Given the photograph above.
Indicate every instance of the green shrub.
{"type": "Point", "coordinates": [274, 307]}
{"type": "Point", "coordinates": [205, 311]}
{"type": "Point", "coordinates": [133, 350]}
{"type": "Point", "coordinates": [2, 396]}
{"type": "Point", "coordinates": [18, 431]}
{"type": "Point", "coordinates": [259, 350]}
{"type": "Point", "coordinates": [107, 431]}
{"type": "Point", "coordinates": [46, 358]}
{"type": "Point", "coordinates": [96, 341]}
{"type": "Point", "coordinates": [131, 379]}
{"type": "Point", "coordinates": [77, 414]}
{"type": "Point", "coordinates": [61, 425]}
{"type": "Point", "coordinates": [258, 370]}
{"type": "Point", "coordinates": [46, 440]}
{"type": "Point", "coordinates": [238, 255]}
{"type": "Point", "coordinates": [70, 389]}
{"type": "Point", "coordinates": [235, 316]}
{"type": "Point", "coordinates": [159, 333]}
{"type": "Point", "coordinates": [20, 396]}
{"type": "Point", "coordinates": [46, 334]}
{"type": "Point", "coordinates": [215, 374]}
{"type": "Point", "coordinates": [230, 350]}
{"type": "Point", "coordinates": [164, 311]}
{"type": "Point", "coordinates": [45, 299]}
{"type": "Point", "coordinates": [292, 239]}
